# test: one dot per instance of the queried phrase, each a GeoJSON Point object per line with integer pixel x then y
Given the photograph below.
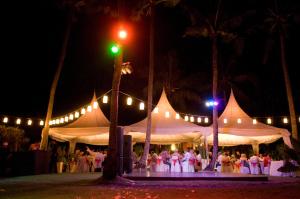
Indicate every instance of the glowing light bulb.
{"type": "Point", "coordinates": [254, 121]}
{"type": "Point", "coordinates": [142, 106]}
{"type": "Point", "coordinates": [95, 105]}
{"type": "Point", "coordinates": [18, 121]}
{"type": "Point", "coordinates": [239, 120]}
{"type": "Point", "coordinates": [129, 101]}
{"type": "Point", "coordinates": [285, 120]}
{"type": "Point", "coordinates": [29, 122]}
{"type": "Point", "coordinates": [66, 118]}
{"type": "Point", "coordinates": [82, 111]}
{"type": "Point", "coordinates": [199, 120]}
{"type": "Point", "coordinates": [192, 119]}
{"type": "Point", "coordinates": [173, 147]}
{"type": "Point", "coordinates": [269, 121]}
{"type": "Point", "coordinates": [71, 117]}
{"type": "Point", "coordinates": [177, 116]}
{"type": "Point", "coordinates": [42, 123]}
{"type": "Point", "coordinates": [105, 99]}
{"type": "Point", "coordinates": [167, 114]}
{"type": "Point", "coordinates": [122, 34]}
{"type": "Point", "coordinates": [186, 118]}
{"type": "Point", "coordinates": [76, 114]}
{"type": "Point", "coordinates": [5, 120]}
{"type": "Point", "coordinates": [206, 120]}
{"type": "Point", "coordinates": [89, 108]}
{"type": "Point", "coordinates": [225, 121]}
{"type": "Point", "coordinates": [156, 110]}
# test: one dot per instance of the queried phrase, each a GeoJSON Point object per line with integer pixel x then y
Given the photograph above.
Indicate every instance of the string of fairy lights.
{"type": "Point", "coordinates": [130, 100]}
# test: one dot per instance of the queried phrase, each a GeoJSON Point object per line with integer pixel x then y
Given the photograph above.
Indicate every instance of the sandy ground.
{"type": "Point", "coordinates": [81, 186]}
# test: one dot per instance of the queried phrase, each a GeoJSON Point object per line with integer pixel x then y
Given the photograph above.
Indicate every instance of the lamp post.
{"type": "Point", "coordinates": [110, 167]}
{"type": "Point", "coordinates": [213, 103]}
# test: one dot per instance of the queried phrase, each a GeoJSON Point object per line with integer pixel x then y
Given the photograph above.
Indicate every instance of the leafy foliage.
{"type": "Point", "coordinates": [13, 136]}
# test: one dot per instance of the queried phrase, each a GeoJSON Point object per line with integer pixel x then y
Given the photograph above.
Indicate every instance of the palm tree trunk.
{"type": "Point", "coordinates": [110, 167]}
{"type": "Point", "coordinates": [142, 162]}
{"type": "Point", "coordinates": [45, 131]}
{"type": "Point", "coordinates": [211, 165]}
{"type": "Point", "coordinates": [288, 87]}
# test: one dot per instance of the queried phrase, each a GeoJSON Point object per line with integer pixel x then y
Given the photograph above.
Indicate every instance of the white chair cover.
{"type": "Point", "coordinates": [160, 164]}
{"type": "Point", "coordinates": [175, 166]}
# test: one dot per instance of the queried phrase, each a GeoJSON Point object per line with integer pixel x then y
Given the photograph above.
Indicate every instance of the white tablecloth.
{"type": "Point", "coordinates": [274, 166]}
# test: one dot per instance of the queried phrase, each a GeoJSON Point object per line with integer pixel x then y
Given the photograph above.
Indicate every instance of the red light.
{"type": "Point", "coordinates": [122, 34]}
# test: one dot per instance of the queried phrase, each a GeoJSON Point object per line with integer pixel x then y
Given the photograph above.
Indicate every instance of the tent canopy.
{"type": "Point", "coordinates": [236, 127]}
{"type": "Point", "coordinates": [165, 127]}
{"type": "Point", "coordinates": [90, 128]}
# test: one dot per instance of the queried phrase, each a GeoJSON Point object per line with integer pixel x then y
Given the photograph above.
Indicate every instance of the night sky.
{"type": "Point", "coordinates": [33, 36]}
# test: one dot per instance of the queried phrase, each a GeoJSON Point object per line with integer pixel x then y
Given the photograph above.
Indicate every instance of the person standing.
{"type": "Point", "coordinates": [185, 161]}
{"type": "Point", "coordinates": [97, 159]}
{"type": "Point", "coordinates": [165, 156]}
{"type": "Point", "coordinates": [226, 164]}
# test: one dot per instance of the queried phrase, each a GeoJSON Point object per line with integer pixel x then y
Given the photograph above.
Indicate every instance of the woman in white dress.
{"type": "Point", "coordinates": [185, 161]}
{"type": "Point", "coordinates": [175, 165]}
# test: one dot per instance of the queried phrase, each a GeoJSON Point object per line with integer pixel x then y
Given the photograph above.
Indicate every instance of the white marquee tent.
{"type": "Point", "coordinates": [166, 127]}
{"type": "Point", "coordinates": [237, 128]}
{"type": "Point", "coordinates": [90, 128]}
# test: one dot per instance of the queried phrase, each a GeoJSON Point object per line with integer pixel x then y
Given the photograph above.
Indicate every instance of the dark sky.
{"type": "Point", "coordinates": [32, 39]}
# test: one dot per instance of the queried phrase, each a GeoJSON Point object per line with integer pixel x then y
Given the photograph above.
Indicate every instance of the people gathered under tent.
{"type": "Point", "coordinates": [190, 161]}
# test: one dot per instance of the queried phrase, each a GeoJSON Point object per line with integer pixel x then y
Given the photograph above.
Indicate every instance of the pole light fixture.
{"type": "Point", "coordinates": [211, 103]}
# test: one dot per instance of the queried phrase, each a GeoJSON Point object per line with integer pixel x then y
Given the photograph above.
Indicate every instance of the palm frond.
{"type": "Point", "coordinates": [197, 31]}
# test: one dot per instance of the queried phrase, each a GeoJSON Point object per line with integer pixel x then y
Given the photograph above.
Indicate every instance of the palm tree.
{"type": "Point", "coordinates": [181, 89]}
{"type": "Point", "coordinates": [148, 7]}
{"type": "Point", "coordinates": [214, 29]}
{"type": "Point", "coordinates": [45, 132]}
{"type": "Point", "coordinates": [72, 7]}
{"type": "Point", "coordinates": [279, 23]}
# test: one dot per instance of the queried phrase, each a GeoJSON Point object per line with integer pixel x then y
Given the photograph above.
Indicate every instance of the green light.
{"type": "Point", "coordinates": [115, 49]}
